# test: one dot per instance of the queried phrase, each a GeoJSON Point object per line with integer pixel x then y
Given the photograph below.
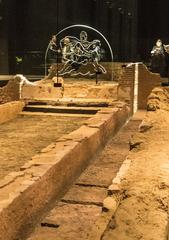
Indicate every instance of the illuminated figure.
{"type": "Point", "coordinates": [77, 52]}
{"type": "Point", "coordinates": [159, 59]}
{"type": "Point", "coordinates": [68, 58]}
{"type": "Point", "coordinates": [67, 50]}
{"type": "Point", "coordinates": [53, 49]}
{"type": "Point", "coordinates": [96, 57]}
{"type": "Point", "coordinates": [82, 51]}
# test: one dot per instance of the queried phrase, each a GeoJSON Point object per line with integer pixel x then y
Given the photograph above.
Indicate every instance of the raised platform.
{"type": "Point", "coordinates": [70, 89]}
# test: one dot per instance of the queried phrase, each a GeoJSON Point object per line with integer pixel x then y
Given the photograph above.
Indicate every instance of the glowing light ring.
{"type": "Point", "coordinates": [89, 52]}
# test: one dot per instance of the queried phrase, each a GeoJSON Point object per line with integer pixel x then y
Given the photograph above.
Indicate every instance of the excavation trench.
{"type": "Point", "coordinates": [74, 216]}
{"type": "Point", "coordinates": [44, 178]}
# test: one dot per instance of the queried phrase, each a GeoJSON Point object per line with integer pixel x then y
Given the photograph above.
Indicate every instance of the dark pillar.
{"type": "Point", "coordinates": [4, 37]}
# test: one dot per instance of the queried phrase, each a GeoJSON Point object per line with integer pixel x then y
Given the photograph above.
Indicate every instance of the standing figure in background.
{"type": "Point", "coordinates": [53, 50]}
{"type": "Point", "coordinates": [67, 56]}
{"type": "Point", "coordinates": [67, 50]}
{"type": "Point", "coordinates": [159, 59]}
{"type": "Point", "coordinates": [96, 56]}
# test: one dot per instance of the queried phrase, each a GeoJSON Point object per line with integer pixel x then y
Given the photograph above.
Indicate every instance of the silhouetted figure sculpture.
{"type": "Point", "coordinates": [159, 59]}
{"type": "Point", "coordinates": [53, 50]}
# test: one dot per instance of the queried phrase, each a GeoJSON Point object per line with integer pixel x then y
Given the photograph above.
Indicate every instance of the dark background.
{"type": "Point", "coordinates": [130, 26]}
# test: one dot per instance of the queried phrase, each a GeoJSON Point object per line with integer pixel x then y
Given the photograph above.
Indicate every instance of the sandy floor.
{"type": "Point", "coordinates": [143, 212]}
{"type": "Point", "coordinates": [25, 136]}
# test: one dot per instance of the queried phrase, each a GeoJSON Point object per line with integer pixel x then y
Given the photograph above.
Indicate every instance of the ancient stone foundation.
{"type": "Point", "coordinates": [10, 92]}
{"type": "Point", "coordinates": [10, 110]}
{"type": "Point", "coordinates": [25, 194]}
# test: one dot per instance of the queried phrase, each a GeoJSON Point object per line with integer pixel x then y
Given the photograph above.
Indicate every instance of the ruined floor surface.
{"type": "Point", "coordinates": [25, 136]}
{"type": "Point", "coordinates": [75, 214]}
{"type": "Point", "coordinates": [143, 212]}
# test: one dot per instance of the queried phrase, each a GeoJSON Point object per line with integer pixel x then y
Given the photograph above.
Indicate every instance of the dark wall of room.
{"type": "Point", "coordinates": [3, 37]}
{"type": "Point", "coordinates": [40, 19]}
{"type": "Point", "coordinates": [31, 24]}
{"type": "Point", "coordinates": [153, 23]}
{"type": "Point", "coordinates": [131, 26]}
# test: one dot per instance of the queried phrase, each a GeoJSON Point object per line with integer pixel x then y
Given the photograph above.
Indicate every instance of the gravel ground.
{"type": "Point", "coordinates": [143, 212]}
{"type": "Point", "coordinates": [25, 136]}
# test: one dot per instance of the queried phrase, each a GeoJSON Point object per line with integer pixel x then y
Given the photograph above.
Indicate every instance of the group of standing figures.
{"type": "Point", "coordinates": [76, 52]}
{"type": "Point", "coordinates": [160, 59]}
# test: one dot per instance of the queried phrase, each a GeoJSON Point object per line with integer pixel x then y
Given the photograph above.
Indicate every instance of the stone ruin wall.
{"type": "Point", "coordinates": [10, 92]}
{"type": "Point", "coordinates": [126, 77]}
{"type": "Point", "coordinates": [10, 104]}
{"type": "Point", "coordinates": [146, 82]}
{"type": "Point", "coordinates": [158, 99]}
{"type": "Point", "coordinates": [126, 85]}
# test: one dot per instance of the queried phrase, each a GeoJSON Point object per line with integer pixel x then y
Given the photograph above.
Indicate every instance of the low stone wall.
{"type": "Point", "coordinates": [10, 92]}
{"type": "Point", "coordinates": [147, 81]}
{"type": "Point", "coordinates": [46, 177]}
{"type": "Point", "coordinates": [70, 90]}
{"type": "Point", "coordinates": [126, 85]}
{"type": "Point", "coordinates": [10, 110]}
{"type": "Point", "coordinates": [136, 85]}
{"type": "Point", "coordinates": [40, 92]}
{"type": "Point", "coordinates": [114, 71]}
{"type": "Point", "coordinates": [84, 90]}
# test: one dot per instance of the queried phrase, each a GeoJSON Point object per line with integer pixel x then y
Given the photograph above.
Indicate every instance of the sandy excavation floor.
{"type": "Point", "coordinates": [25, 136]}
{"type": "Point", "coordinates": [143, 212]}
